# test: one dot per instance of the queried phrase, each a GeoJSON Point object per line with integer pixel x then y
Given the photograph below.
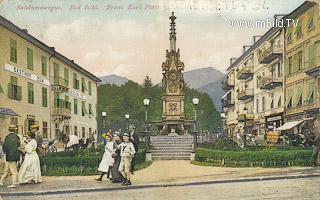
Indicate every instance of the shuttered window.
{"type": "Point", "coordinates": [75, 81]}
{"type": "Point", "coordinates": [90, 88]}
{"type": "Point", "coordinates": [83, 83]}
{"type": "Point", "coordinates": [56, 99]}
{"type": "Point", "coordinates": [75, 108]}
{"type": "Point", "coordinates": [298, 96]}
{"type": "Point", "coordinates": [13, 50]}
{"type": "Point", "coordinates": [30, 93]}
{"type": "Point", "coordinates": [29, 58]}
{"type": "Point", "coordinates": [67, 103]}
{"type": "Point", "coordinates": [56, 73]}
{"type": "Point", "coordinates": [44, 97]}
{"type": "Point", "coordinates": [44, 65]}
{"type": "Point", "coordinates": [295, 63]}
{"type": "Point", "coordinates": [289, 99]}
{"type": "Point", "coordinates": [84, 110]}
{"type": "Point", "coordinates": [90, 110]}
{"type": "Point", "coordinates": [311, 56]}
{"type": "Point", "coordinates": [310, 93]}
{"type": "Point", "coordinates": [66, 76]}
{"type": "Point", "coordinates": [14, 90]}
{"type": "Point", "coordinates": [1, 90]}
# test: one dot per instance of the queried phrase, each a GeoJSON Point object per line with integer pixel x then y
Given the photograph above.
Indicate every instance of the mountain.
{"type": "Point", "coordinates": [113, 79]}
{"type": "Point", "coordinates": [201, 77]}
{"type": "Point", "coordinates": [215, 91]}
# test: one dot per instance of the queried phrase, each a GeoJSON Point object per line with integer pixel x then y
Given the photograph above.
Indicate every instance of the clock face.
{"type": "Point", "coordinates": [172, 76]}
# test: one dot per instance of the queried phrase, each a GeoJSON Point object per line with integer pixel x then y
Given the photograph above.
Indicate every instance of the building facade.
{"type": "Point", "coordinates": [43, 87]}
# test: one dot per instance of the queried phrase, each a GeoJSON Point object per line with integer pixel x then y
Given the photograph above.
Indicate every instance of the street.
{"type": "Point", "coordinates": [306, 188]}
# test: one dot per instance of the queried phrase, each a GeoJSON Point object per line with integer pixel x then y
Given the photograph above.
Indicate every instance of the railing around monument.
{"type": "Point", "coordinates": [208, 136]}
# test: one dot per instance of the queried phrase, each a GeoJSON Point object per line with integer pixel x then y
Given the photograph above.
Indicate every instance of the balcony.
{"type": "Point", "coordinates": [306, 108]}
{"type": "Point", "coordinates": [270, 82]}
{"type": "Point", "coordinates": [228, 85]}
{"type": "Point", "coordinates": [245, 94]}
{"type": "Point", "coordinates": [245, 117]}
{"type": "Point", "coordinates": [61, 112]}
{"type": "Point", "coordinates": [270, 54]}
{"type": "Point", "coordinates": [227, 103]}
{"type": "Point", "coordinates": [60, 85]}
{"type": "Point", "coordinates": [313, 67]}
{"type": "Point", "coordinates": [245, 73]}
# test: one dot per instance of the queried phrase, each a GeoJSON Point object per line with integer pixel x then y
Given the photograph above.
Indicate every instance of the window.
{"type": "Point", "coordinates": [279, 70]}
{"type": "Point", "coordinates": [289, 34]}
{"type": "Point", "coordinates": [90, 88]}
{"type": "Point", "coordinates": [83, 132]}
{"type": "Point", "coordinates": [288, 103]}
{"type": "Point", "coordinates": [279, 102]}
{"type": "Point", "coordinates": [257, 81]}
{"type": "Point", "coordinates": [290, 65]}
{"type": "Point", "coordinates": [299, 32]}
{"type": "Point", "coordinates": [298, 101]}
{"type": "Point", "coordinates": [76, 130]}
{"type": "Point", "coordinates": [311, 56]}
{"type": "Point", "coordinates": [263, 108]}
{"type": "Point", "coordinates": [289, 38]}
{"type": "Point", "coordinates": [310, 95]}
{"type": "Point", "coordinates": [66, 76]}
{"type": "Point", "coordinates": [83, 84]}
{"type": "Point", "coordinates": [75, 107]}
{"type": "Point", "coordinates": [29, 58]}
{"type": "Point", "coordinates": [84, 110]}
{"type": "Point", "coordinates": [90, 109]}
{"type": "Point", "coordinates": [257, 105]}
{"type": "Point", "coordinates": [271, 104]}
{"type": "Point", "coordinates": [310, 24]}
{"type": "Point", "coordinates": [45, 129]}
{"type": "Point", "coordinates": [44, 97]}
{"type": "Point", "coordinates": [75, 81]}
{"type": "Point", "coordinates": [14, 91]}
{"type": "Point", "coordinates": [300, 60]}
{"type": "Point", "coordinates": [56, 73]}
{"type": "Point", "coordinates": [13, 50]}
{"type": "Point", "coordinates": [30, 93]}
{"type": "Point", "coordinates": [67, 103]}
{"type": "Point", "coordinates": [43, 66]}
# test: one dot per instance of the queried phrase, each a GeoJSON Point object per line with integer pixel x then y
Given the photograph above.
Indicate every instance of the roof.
{"type": "Point", "coordinates": [302, 8]}
{"type": "Point", "coordinates": [7, 111]}
{"type": "Point", "coordinates": [50, 50]}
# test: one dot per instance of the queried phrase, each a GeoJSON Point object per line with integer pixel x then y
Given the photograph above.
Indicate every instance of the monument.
{"type": "Point", "coordinates": [173, 121]}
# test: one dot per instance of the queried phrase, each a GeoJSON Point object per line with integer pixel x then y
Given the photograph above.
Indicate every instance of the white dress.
{"type": "Point", "coordinates": [30, 168]}
{"type": "Point", "coordinates": [107, 159]}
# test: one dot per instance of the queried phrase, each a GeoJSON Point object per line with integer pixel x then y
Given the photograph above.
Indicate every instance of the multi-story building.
{"type": "Point", "coordinates": [302, 64]}
{"type": "Point", "coordinates": [43, 87]}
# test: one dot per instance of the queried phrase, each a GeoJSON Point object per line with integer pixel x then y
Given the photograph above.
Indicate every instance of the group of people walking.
{"type": "Point", "coordinates": [119, 156]}
{"type": "Point", "coordinates": [14, 147]}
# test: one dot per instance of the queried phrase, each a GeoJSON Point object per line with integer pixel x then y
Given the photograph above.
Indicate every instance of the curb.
{"type": "Point", "coordinates": [179, 184]}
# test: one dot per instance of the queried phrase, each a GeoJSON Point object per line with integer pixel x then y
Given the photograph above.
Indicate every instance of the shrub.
{"type": "Point", "coordinates": [227, 145]}
{"type": "Point", "coordinates": [273, 158]}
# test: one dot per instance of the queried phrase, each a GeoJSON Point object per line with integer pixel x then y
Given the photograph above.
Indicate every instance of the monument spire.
{"type": "Point", "coordinates": [172, 33]}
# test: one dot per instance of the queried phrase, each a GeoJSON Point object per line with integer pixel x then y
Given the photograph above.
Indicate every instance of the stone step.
{"type": "Point", "coordinates": [155, 143]}
{"type": "Point", "coordinates": [172, 141]}
{"type": "Point", "coordinates": [171, 149]}
{"type": "Point", "coordinates": [171, 145]}
{"type": "Point", "coordinates": [171, 157]}
{"type": "Point", "coordinates": [171, 154]}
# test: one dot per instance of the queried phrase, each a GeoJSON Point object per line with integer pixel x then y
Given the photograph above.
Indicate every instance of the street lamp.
{"type": "Point", "coordinates": [127, 116]}
{"type": "Point", "coordinates": [104, 114]}
{"type": "Point", "coordinates": [244, 127]}
{"type": "Point", "coordinates": [146, 103]}
{"type": "Point", "coordinates": [195, 102]}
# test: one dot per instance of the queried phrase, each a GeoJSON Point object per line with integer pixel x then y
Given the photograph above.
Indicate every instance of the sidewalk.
{"type": "Point", "coordinates": [160, 174]}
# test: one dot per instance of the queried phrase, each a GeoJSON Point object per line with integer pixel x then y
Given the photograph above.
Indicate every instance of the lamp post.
{"type": "Point", "coordinates": [104, 114]}
{"type": "Point", "coordinates": [224, 125]}
{"type": "Point", "coordinates": [244, 127]}
{"type": "Point", "coordinates": [195, 102]}
{"type": "Point", "coordinates": [146, 103]}
{"type": "Point", "coordinates": [127, 116]}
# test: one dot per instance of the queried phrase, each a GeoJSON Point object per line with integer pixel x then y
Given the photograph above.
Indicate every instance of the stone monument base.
{"type": "Point", "coordinates": [173, 134]}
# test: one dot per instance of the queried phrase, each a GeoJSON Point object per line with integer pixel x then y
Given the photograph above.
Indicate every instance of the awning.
{"type": "Point", "coordinates": [7, 111]}
{"type": "Point", "coordinates": [288, 125]}
{"type": "Point", "coordinates": [225, 95]}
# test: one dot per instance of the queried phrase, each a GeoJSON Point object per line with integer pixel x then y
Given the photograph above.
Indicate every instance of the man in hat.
{"type": "Point", "coordinates": [127, 151]}
{"type": "Point", "coordinates": [134, 138]}
{"type": "Point", "coordinates": [10, 145]}
{"type": "Point", "coordinates": [38, 138]}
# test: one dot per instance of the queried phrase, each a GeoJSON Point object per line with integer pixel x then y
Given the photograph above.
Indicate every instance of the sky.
{"type": "Point", "coordinates": [129, 38]}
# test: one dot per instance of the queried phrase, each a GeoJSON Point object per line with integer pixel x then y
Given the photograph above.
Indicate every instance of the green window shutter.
{"type": "Point", "coordinates": [66, 75]}
{"type": "Point", "coordinates": [90, 88]}
{"type": "Point", "coordinates": [19, 93]}
{"type": "Point", "coordinates": [10, 90]}
{"type": "Point", "coordinates": [68, 103]}
{"type": "Point", "coordinates": [295, 63]}
{"type": "Point", "coordinates": [289, 32]}
{"type": "Point", "coordinates": [13, 50]}
{"type": "Point", "coordinates": [84, 107]}
{"type": "Point", "coordinates": [44, 65]}
{"type": "Point", "coordinates": [311, 56]}
{"type": "Point", "coordinates": [44, 97]}
{"type": "Point", "coordinates": [61, 103]}
{"type": "Point", "coordinates": [74, 80]}
{"type": "Point", "coordinates": [14, 80]}
{"type": "Point", "coordinates": [56, 73]}
{"type": "Point", "coordinates": [30, 58]}
{"type": "Point", "coordinates": [83, 82]}
{"type": "Point", "coordinates": [289, 96]}
{"type": "Point", "coordinates": [30, 93]}
{"type": "Point", "coordinates": [1, 90]}
{"type": "Point", "coordinates": [286, 66]}
{"type": "Point", "coordinates": [310, 91]}
{"type": "Point", "coordinates": [298, 26]}
{"type": "Point", "coordinates": [310, 17]}
{"type": "Point", "coordinates": [299, 94]}
{"type": "Point", "coordinates": [90, 109]}
{"type": "Point", "coordinates": [75, 108]}
{"type": "Point", "coordinates": [78, 84]}
{"type": "Point", "coordinates": [56, 99]}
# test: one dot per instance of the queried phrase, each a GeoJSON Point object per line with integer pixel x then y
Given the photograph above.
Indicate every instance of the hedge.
{"type": "Point", "coordinates": [60, 164]}
{"type": "Point", "coordinates": [253, 158]}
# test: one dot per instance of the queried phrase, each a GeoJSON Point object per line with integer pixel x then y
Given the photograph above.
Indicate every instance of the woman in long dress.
{"type": "Point", "coordinates": [116, 175]}
{"type": "Point", "coordinates": [30, 168]}
{"type": "Point", "coordinates": [107, 160]}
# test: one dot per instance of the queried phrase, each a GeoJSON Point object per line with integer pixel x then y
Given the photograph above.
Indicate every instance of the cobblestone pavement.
{"type": "Point", "coordinates": [160, 172]}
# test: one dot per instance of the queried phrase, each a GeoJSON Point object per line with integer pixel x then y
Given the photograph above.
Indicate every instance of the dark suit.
{"type": "Point", "coordinates": [135, 142]}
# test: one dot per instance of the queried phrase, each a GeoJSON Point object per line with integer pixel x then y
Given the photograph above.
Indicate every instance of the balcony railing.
{"type": "Point", "coordinates": [245, 94]}
{"type": "Point", "coordinates": [63, 112]}
{"type": "Point", "coordinates": [306, 107]}
{"type": "Point", "coordinates": [270, 82]}
{"type": "Point", "coordinates": [245, 73]}
{"type": "Point", "coordinates": [312, 67]}
{"type": "Point", "coordinates": [228, 85]}
{"type": "Point", "coordinates": [227, 103]}
{"type": "Point", "coordinates": [60, 84]}
{"type": "Point", "coordinates": [245, 117]}
{"type": "Point", "coordinates": [270, 54]}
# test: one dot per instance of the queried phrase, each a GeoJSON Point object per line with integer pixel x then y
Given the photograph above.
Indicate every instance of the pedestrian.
{"type": "Point", "coordinates": [39, 139]}
{"type": "Point", "coordinates": [10, 148]}
{"type": "Point", "coordinates": [127, 151]}
{"type": "Point", "coordinates": [30, 169]}
{"type": "Point", "coordinates": [316, 145]}
{"type": "Point", "coordinates": [134, 138]}
{"type": "Point", "coordinates": [107, 160]}
{"type": "Point", "coordinates": [116, 175]}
